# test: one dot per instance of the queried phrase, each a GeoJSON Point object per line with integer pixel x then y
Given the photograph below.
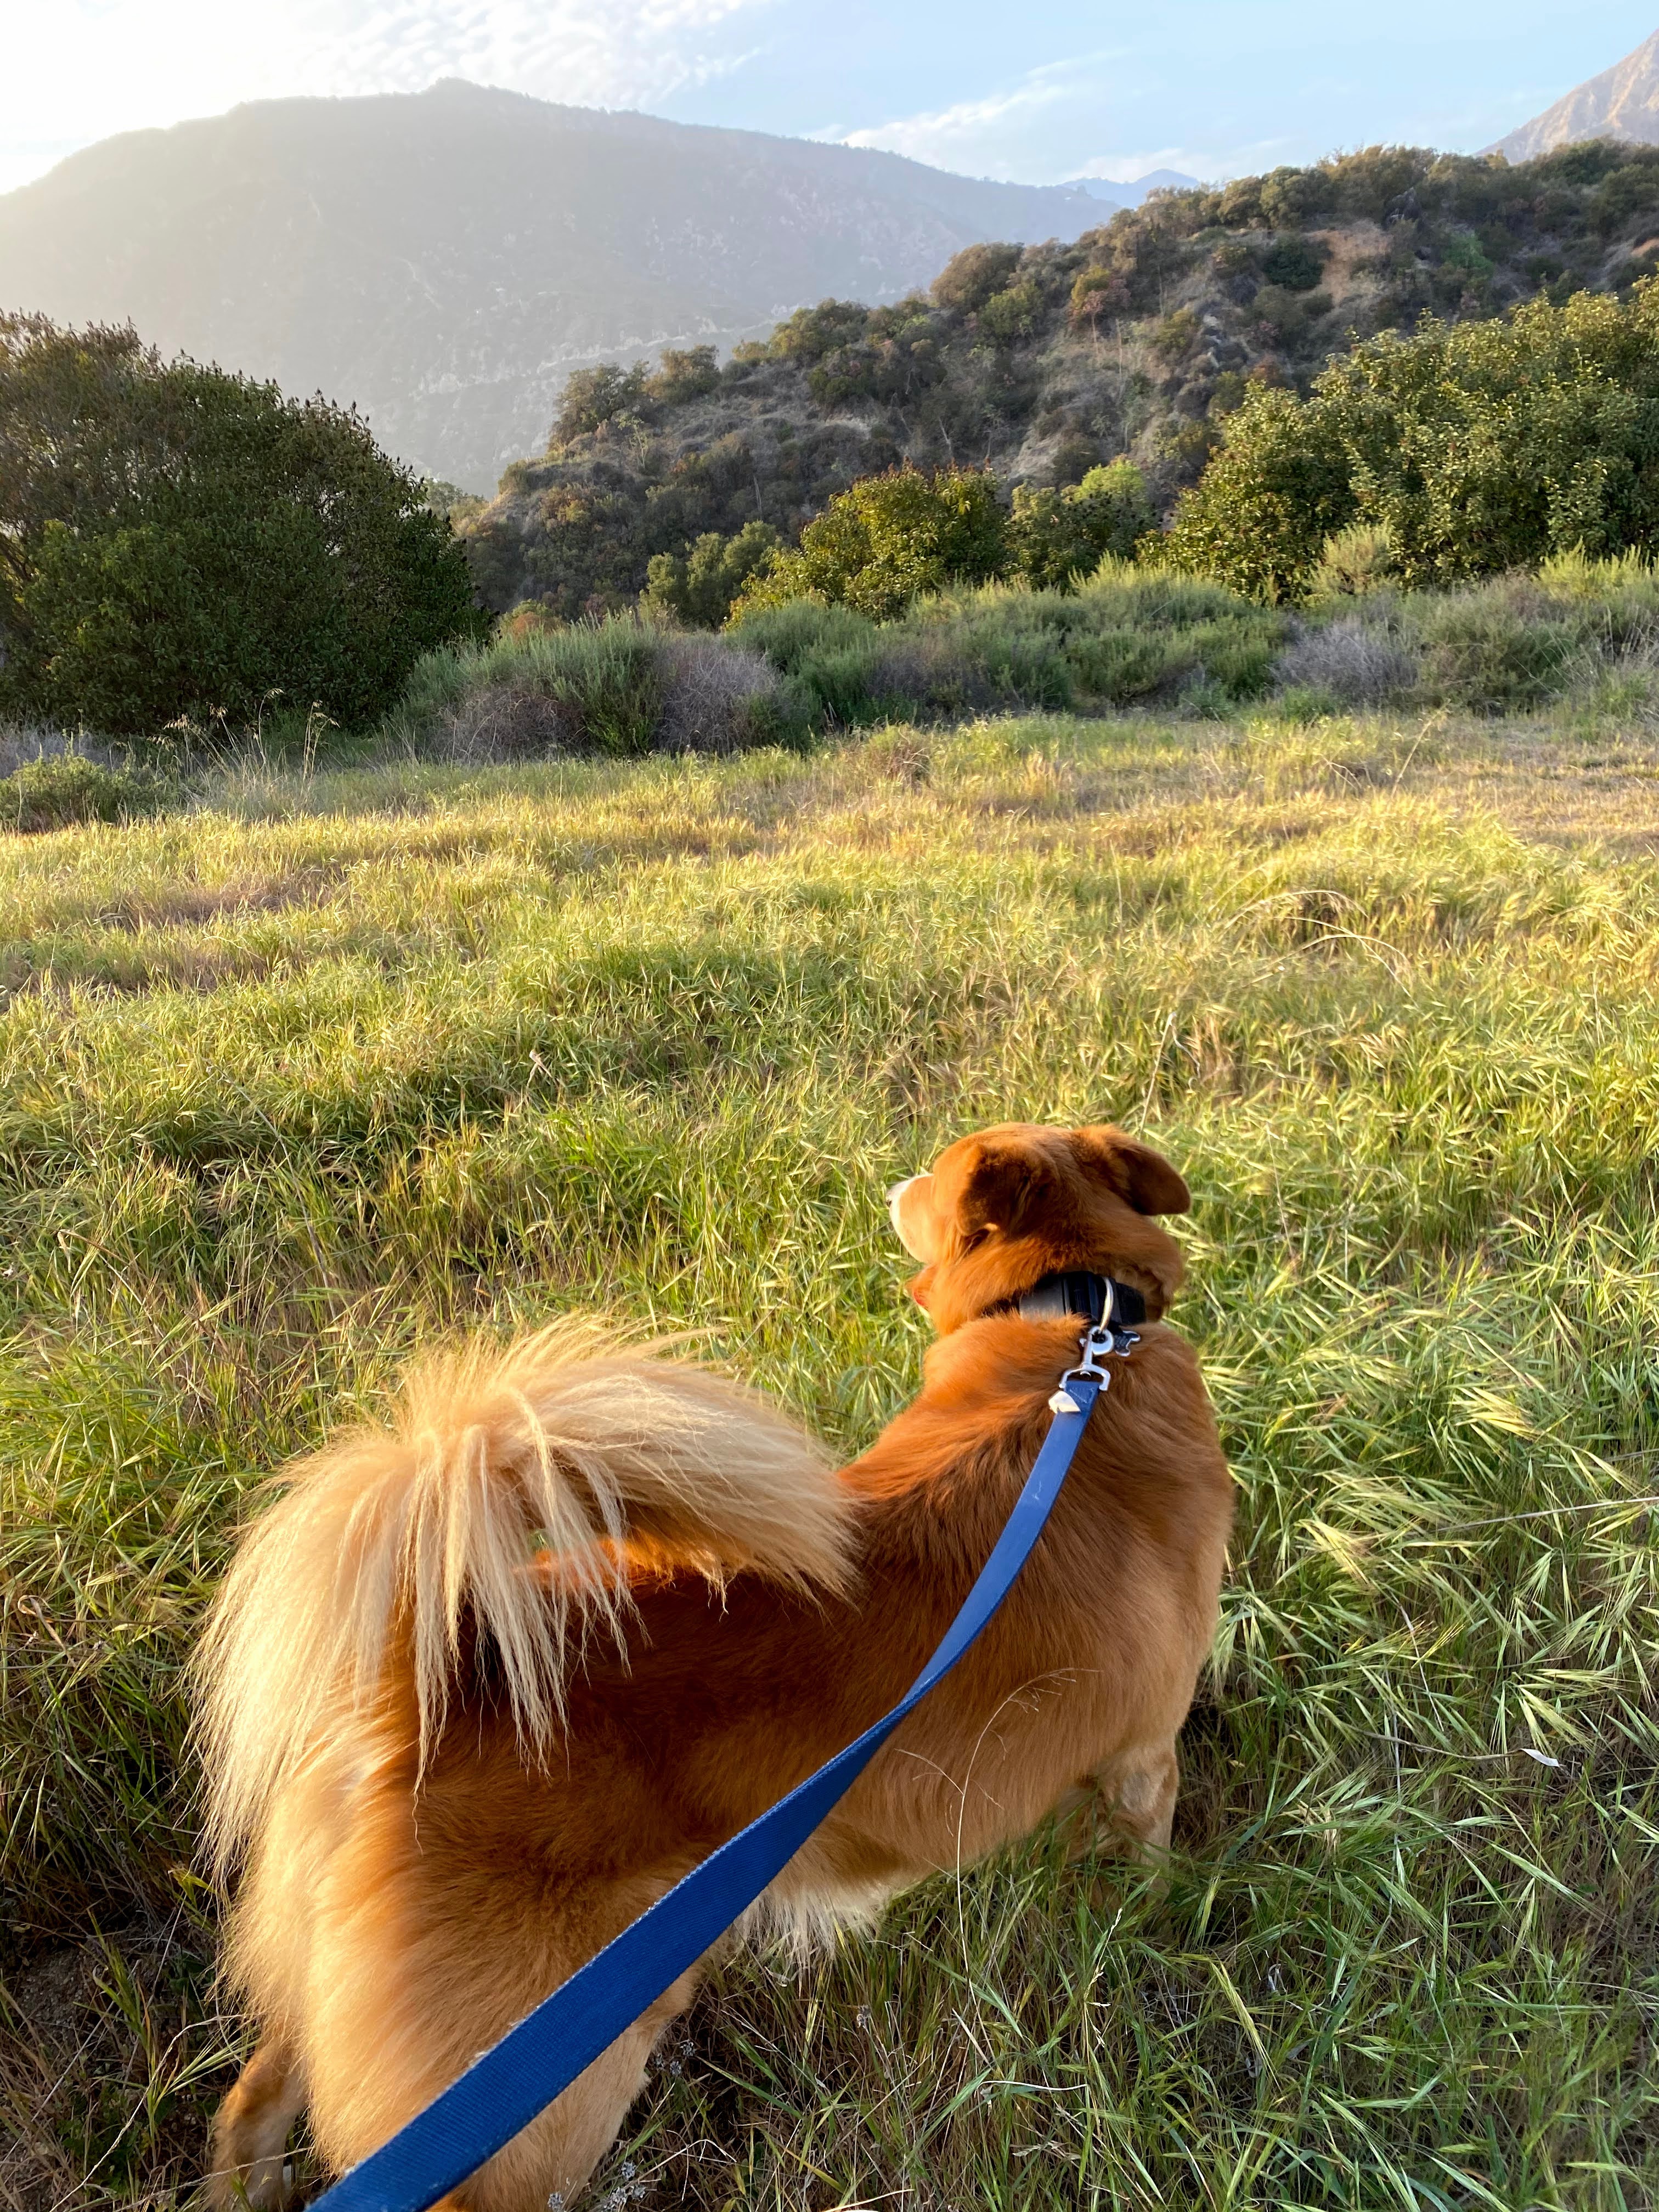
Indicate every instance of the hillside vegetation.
{"type": "Point", "coordinates": [300, 1078]}
{"type": "Point", "coordinates": [1140, 338]}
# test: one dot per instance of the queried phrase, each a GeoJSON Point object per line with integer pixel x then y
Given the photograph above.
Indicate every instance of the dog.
{"type": "Point", "coordinates": [483, 1687]}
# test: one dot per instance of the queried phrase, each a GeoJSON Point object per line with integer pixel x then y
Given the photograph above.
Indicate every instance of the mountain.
{"type": "Point", "coordinates": [1623, 102]}
{"type": "Point", "coordinates": [445, 259]}
{"type": "Point", "coordinates": [1108, 195]}
{"type": "Point", "coordinates": [1041, 376]}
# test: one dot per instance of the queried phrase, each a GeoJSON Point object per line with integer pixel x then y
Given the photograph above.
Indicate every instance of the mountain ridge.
{"type": "Point", "coordinates": [443, 260]}
{"type": "Point", "coordinates": [1622, 102]}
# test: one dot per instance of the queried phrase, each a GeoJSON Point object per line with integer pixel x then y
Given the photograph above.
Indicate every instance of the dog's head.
{"type": "Point", "coordinates": [1002, 1210]}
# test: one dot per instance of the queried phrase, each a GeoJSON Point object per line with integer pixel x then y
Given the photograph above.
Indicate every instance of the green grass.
{"type": "Point", "coordinates": [292, 1082]}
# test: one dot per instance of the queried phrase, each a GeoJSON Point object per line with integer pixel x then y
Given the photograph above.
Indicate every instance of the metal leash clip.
{"type": "Point", "coordinates": [1100, 1342]}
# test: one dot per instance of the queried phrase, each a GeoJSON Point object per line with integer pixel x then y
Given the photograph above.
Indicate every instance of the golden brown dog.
{"type": "Point", "coordinates": [480, 1689]}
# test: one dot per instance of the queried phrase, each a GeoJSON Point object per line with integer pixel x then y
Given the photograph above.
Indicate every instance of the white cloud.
{"type": "Point", "coordinates": [78, 70]}
{"type": "Point", "coordinates": [971, 132]}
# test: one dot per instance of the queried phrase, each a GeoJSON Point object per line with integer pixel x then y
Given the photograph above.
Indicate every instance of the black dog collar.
{"type": "Point", "coordinates": [1094, 1298]}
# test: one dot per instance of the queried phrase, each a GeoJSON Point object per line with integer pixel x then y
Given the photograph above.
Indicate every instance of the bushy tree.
{"type": "Point", "coordinates": [177, 544]}
{"type": "Point", "coordinates": [682, 375]}
{"type": "Point", "coordinates": [1055, 537]}
{"type": "Point", "coordinates": [1295, 261]}
{"type": "Point", "coordinates": [1258, 517]}
{"type": "Point", "coordinates": [969, 278]}
{"type": "Point", "coordinates": [888, 539]}
{"type": "Point", "coordinates": [594, 396]}
{"type": "Point", "coordinates": [1011, 313]}
{"type": "Point", "coordinates": [697, 587]}
{"type": "Point", "coordinates": [1478, 448]}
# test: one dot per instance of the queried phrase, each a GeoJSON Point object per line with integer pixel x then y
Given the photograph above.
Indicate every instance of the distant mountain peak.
{"type": "Point", "coordinates": [1622, 102]}
{"type": "Point", "coordinates": [1111, 193]}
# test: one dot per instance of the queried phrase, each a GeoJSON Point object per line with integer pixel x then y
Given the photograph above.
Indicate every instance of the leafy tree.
{"type": "Point", "coordinates": [969, 278]}
{"type": "Point", "coordinates": [683, 376]}
{"type": "Point", "coordinates": [1011, 313]}
{"type": "Point", "coordinates": [698, 588]}
{"type": "Point", "coordinates": [1259, 516]}
{"type": "Point", "coordinates": [811, 332]}
{"type": "Point", "coordinates": [1478, 448]}
{"type": "Point", "coordinates": [1098, 291]}
{"type": "Point", "coordinates": [888, 539]}
{"type": "Point", "coordinates": [181, 544]}
{"type": "Point", "coordinates": [594, 396]}
{"type": "Point", "coordinates": [1057, 536]}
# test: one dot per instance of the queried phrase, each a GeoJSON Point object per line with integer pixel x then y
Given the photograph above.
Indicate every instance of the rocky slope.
{"type": "Point", "coordinates": [444, 261]}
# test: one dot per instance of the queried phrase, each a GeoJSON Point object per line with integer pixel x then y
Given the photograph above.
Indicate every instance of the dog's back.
{"type": "Point", "coordinates": [482, 1688]}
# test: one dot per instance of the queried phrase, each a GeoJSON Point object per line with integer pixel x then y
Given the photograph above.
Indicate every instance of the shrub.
{"type": "Point", "coordinates": [1492, 654]}
{"type": "Point", "coordinates": [1295, 261]}
{"type": "Point", "coordinates": [1055, 536]}
{"type": "Point", "coordinates": [1012, 314]}
{"type": "Point", "coordinates": [1099, 291]}
{"type": "Point", "coordinates": [683, 376]}
{"type": "Point", "coordinates": [1354, 561]}
{"type": "Point", "coordinates": [1259, 517]}
{"type": "Point", "coordinates": [698, 588]}
{"type": "Point", "coordinates": [1352, 660]}
{"type": "Point", "coordinates": [618, 688]}
{"type": "Point", "coordinates": [66, 789]}
{"type": "Point", "coordinates": [594, 687]}
{"type": "Point", "coordinates": [1480, 447]}
{"type": "Point", "coordinates": [178, 545]}
{"type": "Point", "coordinates": [969, 278]}
{"type": "Point", "coordinates": [594, 396]}
{"type": "Point", "coordinates": [886, 540]}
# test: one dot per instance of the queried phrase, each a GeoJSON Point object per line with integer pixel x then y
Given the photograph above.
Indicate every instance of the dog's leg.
{"type": "Point", "coordinates": [1141, 1796]}
{"type": "Point", "coordinates": [550, 2163]}
{"type": "Point", "coordinates": [1134, 1802]}
{"type": "Point", "coordinates": [430, 1957]}
{"type": "Point", "coordinates": [250, 2131]}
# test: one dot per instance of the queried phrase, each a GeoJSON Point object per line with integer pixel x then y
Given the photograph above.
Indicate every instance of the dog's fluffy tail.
{"type": "Point", "coordinates": [407, 1538]}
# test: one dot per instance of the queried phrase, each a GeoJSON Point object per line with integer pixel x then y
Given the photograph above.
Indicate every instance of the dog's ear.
{"type": "Point", "coordinates": [1000, 1184]}
{"type": "Point", "coordinates": [1134, 1172]}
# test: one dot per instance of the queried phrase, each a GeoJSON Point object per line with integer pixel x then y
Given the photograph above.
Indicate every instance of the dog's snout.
{"type": "Point", "coordinates": [895, 1199]}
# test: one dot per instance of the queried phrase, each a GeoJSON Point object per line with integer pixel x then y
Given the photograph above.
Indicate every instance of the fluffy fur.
{"type": "Point", "coordinates": [479, 1689]}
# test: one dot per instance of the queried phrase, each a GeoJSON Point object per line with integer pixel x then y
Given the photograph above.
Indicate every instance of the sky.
{"type": "Point", "coordinates": [1036, 93]}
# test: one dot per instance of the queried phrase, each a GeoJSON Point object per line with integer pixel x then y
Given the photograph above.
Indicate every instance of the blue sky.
{"type": "Point", "coordinates": [1038, 92]}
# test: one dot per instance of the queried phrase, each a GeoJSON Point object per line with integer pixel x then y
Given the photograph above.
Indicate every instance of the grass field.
{"type": "Point", "coordinates": [297, 1080]}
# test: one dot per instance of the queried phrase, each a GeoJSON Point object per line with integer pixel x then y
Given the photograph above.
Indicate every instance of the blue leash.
{"type": "Point", "coordinates": [520, 2077]}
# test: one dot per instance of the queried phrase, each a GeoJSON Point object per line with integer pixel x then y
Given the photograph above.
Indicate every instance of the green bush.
{"type": "Point", "coordinates": [1260, 516]}
{"type": "Point", "coordinates": [1124, 637]}
{"type": "Point", "coordinates": [698, 588]}
{"type": "Point", "coordinates": [1485, 652]}
{"type": "Point", "coordinates": [1354, 561]}
{"type": "Point", "coordinates": [180, 545]}
{"type": "Point", "coordinates": [1295, 261]}
{"type": "Point", "coordinates": [594, 397]}
{"type": "Point", "coordinates": [1479, 447]}
{"type": "Point", "coordinates": [1056, 536]}
{"type": "Point", "coordinates": [886, 540]}
{"type": "Point", "coordinates": [969, 279]}
{"type": "Point", "coordinates": [600, 687]}
{"type": "Point", "coordinates": [66, 788]}
{"type": "Point", "coordinates": [1012, 314]}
